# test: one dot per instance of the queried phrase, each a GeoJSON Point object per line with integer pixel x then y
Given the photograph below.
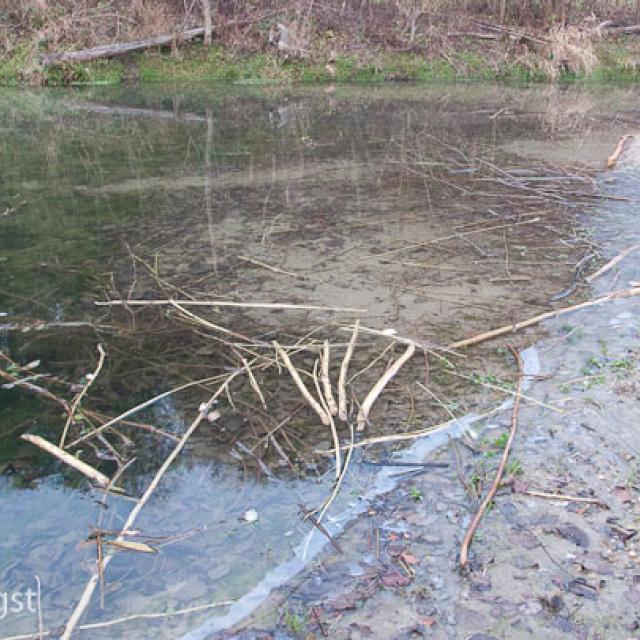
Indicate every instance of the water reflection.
{"type": "Point", "coordinates": [371, 198]}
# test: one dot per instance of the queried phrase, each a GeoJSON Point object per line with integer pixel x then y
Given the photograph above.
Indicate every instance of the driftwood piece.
{"type": "Point", "coordinates": [67, 458]}
{"type": "Point", "coordinates": [113, 50]}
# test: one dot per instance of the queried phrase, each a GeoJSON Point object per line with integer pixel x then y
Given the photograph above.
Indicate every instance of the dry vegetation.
{"type": "Point", "coordinates": [550, 36]}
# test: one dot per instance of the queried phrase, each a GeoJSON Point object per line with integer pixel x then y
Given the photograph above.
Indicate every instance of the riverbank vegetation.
{"type": "Point", "coordinates": [337, 40]}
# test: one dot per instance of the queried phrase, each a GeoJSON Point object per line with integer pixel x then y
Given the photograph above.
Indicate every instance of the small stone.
{"type": "Point", "coordinates": [250, 515]}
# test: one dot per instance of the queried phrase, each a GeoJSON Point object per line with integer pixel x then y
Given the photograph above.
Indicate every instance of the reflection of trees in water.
{"type": "Point", "coordinates": [567, 112]}
{"type": "Point", "coordinates": [311, 186]}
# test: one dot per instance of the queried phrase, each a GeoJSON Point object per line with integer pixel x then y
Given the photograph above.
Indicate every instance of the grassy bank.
{"type": "Point", "coordinates": [615, 62]}
{"type": "Point", "coordinates": [335, 41]}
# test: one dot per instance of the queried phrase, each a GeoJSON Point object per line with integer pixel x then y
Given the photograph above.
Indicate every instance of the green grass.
{"type": "Point", "coordinates": [618, 61]}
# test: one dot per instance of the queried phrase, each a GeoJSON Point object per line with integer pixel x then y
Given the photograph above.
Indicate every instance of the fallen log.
{"type": "Point", "coordinates": [630, 30]}
{"type": "Point", "coordinates": [113, 50]}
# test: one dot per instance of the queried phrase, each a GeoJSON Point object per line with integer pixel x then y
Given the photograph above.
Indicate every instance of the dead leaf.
{"type": "Point", "coordinates": [395, 580]}
{"type": "Point", "coordinates": [140, 547]}
{"type": "Point", "coordinates": [623, 494]}
{"type": "Point", "coordinates": [409, 558]}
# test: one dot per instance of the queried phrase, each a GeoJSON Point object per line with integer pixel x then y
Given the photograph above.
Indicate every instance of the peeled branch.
{"type": "Point", "coordinates": [67, 458]}
{"type": "Point", "coordinates": [379, 386]}
{"type": "Point", "coordinates": [615, 156]}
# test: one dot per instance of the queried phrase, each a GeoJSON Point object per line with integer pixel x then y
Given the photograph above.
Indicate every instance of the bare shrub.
{"type": "Point", "coordinates": [570, 49]}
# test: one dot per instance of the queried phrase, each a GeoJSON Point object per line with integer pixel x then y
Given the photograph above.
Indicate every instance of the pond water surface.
{"type": "Point", "coordinates": [440, 211]}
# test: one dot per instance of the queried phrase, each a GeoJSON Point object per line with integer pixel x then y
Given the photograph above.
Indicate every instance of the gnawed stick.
{"type": "Point", "coordinates": [464, 550]}
{"type": "Point", "coordinates": [612, 263]}
{"type": "Point", "coordinates": [615, 156]}
{"type": "Point", "coordinates": [332, 424]}
{"type": "Point", "coordinates": [326, 381]}
{"type": "Point", "coordinates": [342, 378]}
{"type": "Point", "coordinates": [512, 328]}
{"type": "Point", "coordinates": [93, 581]}
{"type": "Point", "coordinates": [281, 306]}
{"type": "Point", "coordinates": [306, 394]}
{"type": "Point", "coordinates": [379, 386]}
{"type": "Point", "coordinates": [72, 461]}
{"type": "Point", "coordinates": [76, 402]}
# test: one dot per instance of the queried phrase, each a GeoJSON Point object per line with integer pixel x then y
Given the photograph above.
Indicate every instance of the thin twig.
{"type": "Point", "coordinates": [135, 616]}
{"type": "Point", "coordinates": [76, 402]}
{"type": "Point", "coordinates": [614, 295]}
{"type": "Point", "coordinates": [139, 407]}
{"type": "Point", "coordinates": [264, 265]}
{"type": "Point", "coordinates": [612, 263]}
{"type": "Point", "coordinates": [560, 496]}
{"type": "Point", "coordinates": [206, 323]}
{"type": "Point", "coordinates": [464, 550]}
{"type": "Point", "coordinates": [409, 435]}
{"type": "Point", "coordinates": [91, 585]}
{"type": "Point", "coordinates": [282, 306]}
{"type": "Point", "coordinates": [308, 515]}
{"type": "Point", "coordinates": [332, 424]}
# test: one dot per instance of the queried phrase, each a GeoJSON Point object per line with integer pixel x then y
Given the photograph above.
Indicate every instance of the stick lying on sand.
{"type": "Point", "coordinates": [464, 550]}
{"type": "Point", "coordinates": [612, 263]}
{"type": "Point", "coordinates": [223, 303]}
{"type": "Point", "coordinates": [512, 328]}
{"type": "Point", "coordinates": [67, 458]}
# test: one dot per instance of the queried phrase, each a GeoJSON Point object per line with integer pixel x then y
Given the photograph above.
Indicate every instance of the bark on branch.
{"type": "Point", "coordinates": [113, 50]}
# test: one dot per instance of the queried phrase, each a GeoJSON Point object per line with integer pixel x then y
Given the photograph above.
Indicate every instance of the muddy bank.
{"type": "Point", "coordinates": [541, 567]}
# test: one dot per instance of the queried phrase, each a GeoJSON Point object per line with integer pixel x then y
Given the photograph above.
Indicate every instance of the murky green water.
{"type": "Point", "coordinates": [378, 198]}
